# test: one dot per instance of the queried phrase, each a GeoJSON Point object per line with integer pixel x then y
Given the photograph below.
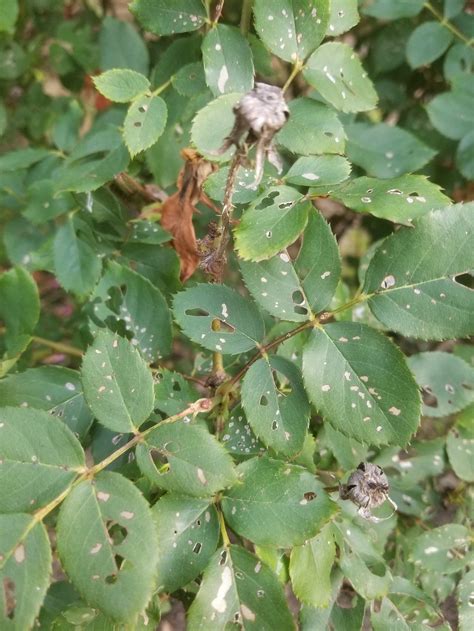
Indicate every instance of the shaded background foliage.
{"type": "Point", "coordinates": [97, 105]}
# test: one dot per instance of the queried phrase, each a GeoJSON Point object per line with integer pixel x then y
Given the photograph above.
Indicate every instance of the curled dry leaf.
{"type": "Point", "coordinates": [177, 211]}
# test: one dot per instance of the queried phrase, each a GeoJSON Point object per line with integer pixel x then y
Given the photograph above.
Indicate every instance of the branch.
{"type": "Point", "coordinates": [449, 25]}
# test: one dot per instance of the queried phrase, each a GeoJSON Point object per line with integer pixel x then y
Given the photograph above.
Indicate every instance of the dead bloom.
{"type": "Point", "coordinates": [367, 487]}
{"type": "Point", "coordinates": [259, 114]}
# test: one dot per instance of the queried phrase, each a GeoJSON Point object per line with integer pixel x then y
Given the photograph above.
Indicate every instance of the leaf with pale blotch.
{"type": "Point", "coordinates": [244, 190]}
{"type": "Point", "coordinates": [385, 151]}
{"type": "Point", "coordinates": [360, 383]}
{"type": "Point", "coordinates": [276, 404]}
{"type": "Point", "coordinates": [107, 545]}
{"type": "Point", "coordinates": [188, 533]}
{"type": "Point", "coordinates": [238, 437]}
{"type": "Point", "coordinates": [118, 385]}
{"type": "Point", "coordinates": [165, 18]}
{"type": "Point", "coordinates": [25, 570]}
{"type": "Point", "coordinates": [318, 171]}
{"type": "Point", "coordinates": [452, 113]}
{"type": "Point", "coordinates": [272, 222]}
{"type": "Point", "coordinates": [446, 380]}
{"type": "Point", "coordinates": [367, 583]}
{"type": "Point", "coordinates": [173, 393]}
{"type": "Point", "coordinates": [144, 123]}
{"type": "Point", "coordinates": [465, 608]}
{"type": "Point", "coordinates": [121, 84]}
{"type": "Point", "coordinates": [137, 306]}
{"type": "Point", "coordinates": [241, 325]}
{"type": "Point", "coordinates": [76, 264]}
{"type": "Point", "coordinates": [227, 60]}
{"type": "Point", "coordinates": [344, 15]}
{"type": "Point", "coordinates": [411, 278]}
{"type": "Point", "coordinates": [313, 128]}
{"type": "Point", "coordinates": [310, 569]}
{"type": "Point", "coordinates": [445, 549]}
{"type": "Point", "coordinates": [212, 124]}
{"type": "Point", "coordinates": [276, 504]}
{"type": "Point", "coordinates": [39, 458]}
{"type": "Point", "coordinates": [186, 459]}
{"type": "Point", "coordinates": [460, 445]}
{"type": "Point", "coordinates": [55, 389]}
{"type": "Point", "coordinates": [237, 588]}
{"type": "Point", "coordinates": [400, 199]}
{"type": "Point", "coordinates": [337, 73]}
{"type": "Point", "coordinates": [291, 29]}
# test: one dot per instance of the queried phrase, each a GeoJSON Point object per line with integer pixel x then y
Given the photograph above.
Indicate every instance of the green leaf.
{"type": "Point", "coordinates": [244, 190]}
{"type": "Point", "coordinates": [125, 298]}
{"type": "Point", "coordinates": [272, 222]}
{"type": "Point", "coordinates": [318, 264]}
{"type": "Point", "coordinates": [163, 18]}
{"type": "Point", "coordinates": [452, 113]}
{"type": "Point", "coordinates": [369, 584]}
{"type": "Point", "coordinates": [238, 588]}
{"type": "Point", "coordinates": [276, 404]}
{"type": "Point", "coordinates": [344, 15]}
{"type": "Point", "coordinates": [310, 569]}
{"type": "Point", "coordinates": [221, 47]}
{"type": "Point", "coordinates": [347, 451]}
{"type": "Point", "coordinates": [390, 10]}
{"type": "Point", "coordinates": [360, 383]}
{"type": "Point", "coordinates": [212, 124]}
{"type": "Point", "coordinates": [446, 379]}
{"type": "Point", "coordinates": [107, 545]}
{"type": "Point", "coordinates": [237, 435]}
{"type": "Point", "coordinates": [400, 199]}
{"type": "Point", "coordinates": [122, 85]}
{"type": "Point", "coordinates": [77, 265]}
{"type": "Point", "coordinates": [465, 156]}
{"type": "Point", "coordinates": [94, 161]}
{"type": "Point", "coordinates": [39, 458]}
{"type": "Point", "coordinates": [444, 550]}
{"type": "Point", "coordinates": [465, 608]}
{"type": "Point", "coordinates": [313, 128]}
{"type": "Point", "coordinates": [42, 205]}
{"type": "Point", "coordinates": [121, 46]}
{"type": "Point", "coordinates": [291, 29]}
{"type": "Point", "coordinates": [337, 73]}
{"type": "Point", "coordinates": [459, 445]}
{"type": "Point", "coordinates": [25, 568]}
{"type": "Point", "coordinates": [385, 151]}
{"type": "Point", "coordinates": [241, 324]}
{"type": "Point", "coordinates": [276, 504]}
{"type": "Point", "coordinates": [144, 123]}
{"type": "Point", "coordinates": [420, 297]}
{"type": "Point", "coordinates": [318, 171]}
{"type": "Point", "coordinates": [118, 386]}
{"type": "Point", "coordinates": [9, 15]}
{"type": "Point", "coordinates": [190, 460]}
{"type": "Point", "coordinates": [19, 310]}
{"type": "Point", "coordinates": [190, 79]}
{"type": "Point", "coordinates": [389, 617]}
{"type": "Point", "coordinates": [188, 533]}
{"type": "Point", "coordinates": [55, 389]}
{"type": "Point", "coordinates": [459, 62]}
{"type": "Point", "coordinates": [22, 158]}
{"type": "Point", "coordinates": [427, 42]}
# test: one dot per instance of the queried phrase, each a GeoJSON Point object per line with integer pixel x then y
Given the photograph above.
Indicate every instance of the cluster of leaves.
{"type": "Point", "coordinates": [320, 353]}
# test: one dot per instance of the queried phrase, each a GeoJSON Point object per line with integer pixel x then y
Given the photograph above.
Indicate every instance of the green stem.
{"type": "Point", "coordinates": [58, 346]}
{"type": "Point", "coordinates": [245, 16]}
{"type": "Point", "coordinates": [223, 529]}
{"type": "Point", "coordinates": [295, 71]}
{"type": "Point", "coordinates": [161, 88]}
{"type": "Point", "coordinates": [449, 25]}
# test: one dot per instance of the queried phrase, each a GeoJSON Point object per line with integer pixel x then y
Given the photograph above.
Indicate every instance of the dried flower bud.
{"type": "Point", "coordinates": [258, 116]}
{"type": "Point", "coordinates": [367, 487]}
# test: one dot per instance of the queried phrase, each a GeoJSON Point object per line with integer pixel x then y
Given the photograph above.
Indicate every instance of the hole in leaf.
{"type": "Point", "coordinates": [227, 328]}
{"type": "Point", "coordinates": [137, 124]}
{"type": "Point", "coordinates": [111, 579]}
{"type": "Point", "coordinates": [468, 386]}
{"type": "Point", "coordinates": [429, 399]}
{"type": "Point", "coordinates": [286, 205]}
{"type": "Point", "coordinates": [297, 297]}
{"type": "Point", "coordinates": [142, 108]}
{"type": "Point", "coordinates": [263, 400]}
{"type": "Point", "coordinates": [160, 461]}
{"type": "Point", "coordinates": [309, 496]}
{"type": "Point", "coordinates": [9, 597]}
{"type": "Point", "coordinates": [117, 533]}
{"type": "Point", "coordinates": [329, 134]}
{"type": "Point", "coordinates": [223, 557]}
{"type": "Point", "coordinates": [176, 386]}
{"type": "Point", "coordinates": [267, 200]}
{"type": "Point", "coordinates": [466, 280]}
{"type": "Point", "coordinates": [197, 312]}
{"type": "Point", "coordinates": [197, 547]}
{"type": "Point", "coordinates": [301, 310]}
{"type": "Point", "coordinates": [274, 425]}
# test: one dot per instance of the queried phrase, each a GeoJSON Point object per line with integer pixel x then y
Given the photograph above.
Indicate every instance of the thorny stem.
{"type": "Point", "coordinates": [449, 25]}
{"type": "Point", "coordinates": [245, 16]}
